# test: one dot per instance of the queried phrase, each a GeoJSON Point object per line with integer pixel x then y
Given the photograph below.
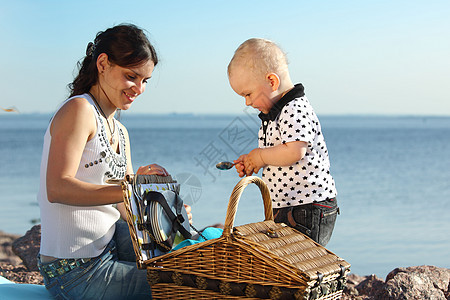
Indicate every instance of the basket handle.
{"type": "Point", "coordinates": [236, 195]}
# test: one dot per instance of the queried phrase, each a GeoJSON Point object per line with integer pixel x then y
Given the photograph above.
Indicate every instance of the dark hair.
{"type": "Point", "coordinates": [126, 46]}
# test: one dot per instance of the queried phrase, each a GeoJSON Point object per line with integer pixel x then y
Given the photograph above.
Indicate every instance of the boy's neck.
{"type": "Point", "coordinates": [283, 90]}
{"type": "Point", "coordinates": [287, 91]}
{"type": "Point", "coordinates": [277, 106]}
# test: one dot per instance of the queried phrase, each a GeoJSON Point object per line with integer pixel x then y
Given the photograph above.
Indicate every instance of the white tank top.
{"type": "Point", "coordinates": [82, 231]}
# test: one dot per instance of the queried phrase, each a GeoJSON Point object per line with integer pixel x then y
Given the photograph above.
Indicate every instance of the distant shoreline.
{"type": "Point", "coordinates": [174, 114]}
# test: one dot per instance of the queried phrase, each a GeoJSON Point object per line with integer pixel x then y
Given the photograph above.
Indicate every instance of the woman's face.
{"type": "Point", "coordinates": [122, 85]}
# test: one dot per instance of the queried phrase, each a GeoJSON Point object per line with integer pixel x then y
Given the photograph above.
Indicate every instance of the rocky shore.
{"type": "Point", "coordinates": [18, 264]}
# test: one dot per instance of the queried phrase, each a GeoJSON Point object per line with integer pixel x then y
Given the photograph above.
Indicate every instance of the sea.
{"type": "Point", "coordinates": [392, 175]}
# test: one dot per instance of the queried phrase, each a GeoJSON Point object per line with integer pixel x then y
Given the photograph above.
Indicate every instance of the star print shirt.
{"type": "Point", "coordinates": [308, 180]}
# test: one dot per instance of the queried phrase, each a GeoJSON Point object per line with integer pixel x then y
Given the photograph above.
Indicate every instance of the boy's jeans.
{"type": "Point", "coordinates": [112, 275]}
{"type": "Point", "coordinates": [316, 220]}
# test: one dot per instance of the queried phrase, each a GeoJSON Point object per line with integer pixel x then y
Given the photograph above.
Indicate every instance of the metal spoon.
{"type": "Point", "coordinates": [225, 165]}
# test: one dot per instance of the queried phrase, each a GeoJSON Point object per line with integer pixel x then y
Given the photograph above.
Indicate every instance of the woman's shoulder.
{"type": "Point", "coordinates": [76, 105]}
{"type": "Point", "coordinates": [75, 111]}
{"type": "Point", "coordinates": [79, 101]}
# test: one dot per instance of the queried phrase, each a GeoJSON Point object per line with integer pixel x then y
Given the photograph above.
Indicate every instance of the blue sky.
{"type": "Point", "coordinates": [354, 57]}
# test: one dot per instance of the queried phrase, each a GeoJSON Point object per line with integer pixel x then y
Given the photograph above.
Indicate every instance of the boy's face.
{"type": "Point", "coordinates": [258, 94]}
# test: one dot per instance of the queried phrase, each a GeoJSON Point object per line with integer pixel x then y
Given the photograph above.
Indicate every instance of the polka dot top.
{"type": "Point", "coordinates": [308, 180]}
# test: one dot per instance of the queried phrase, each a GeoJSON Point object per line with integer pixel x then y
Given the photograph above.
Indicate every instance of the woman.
{"type": "Point", "coordinates": [86, 251]}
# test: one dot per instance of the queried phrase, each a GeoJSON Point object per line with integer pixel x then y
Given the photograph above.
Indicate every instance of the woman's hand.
{"type": "Point", "coordinates": [188, 211]}
{"type": "Point", "coordinates": [152, 169]}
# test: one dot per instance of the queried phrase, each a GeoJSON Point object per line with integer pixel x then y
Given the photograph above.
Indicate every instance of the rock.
{"type": "Point", "coordinates": [439, 276]}
{"type": "Point", "coordinates": [6, 253]}
{"type": "Point", "coordinates": [19, 274]}
{"type": "Point", "coordinates": [422, 282]}
{"type": "Point", "coordinates": [27, 247]}
{"type": "Point", "coordinates": [352, 281]}
{"type": "Point", "coordinates": [370, 286]}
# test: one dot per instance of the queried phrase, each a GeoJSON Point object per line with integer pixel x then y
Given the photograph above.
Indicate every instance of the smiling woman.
{"type": "Point", "coordinates": [84, 148]}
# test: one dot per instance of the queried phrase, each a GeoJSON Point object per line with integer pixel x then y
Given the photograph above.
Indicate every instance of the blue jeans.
{"type": "Point", "coordinates": [112, 275]}
{"type": "Point", "coordinates": [315, 220]}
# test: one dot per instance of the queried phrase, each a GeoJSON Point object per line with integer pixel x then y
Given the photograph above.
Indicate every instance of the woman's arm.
{"type": "Point", "coordinates": [72, 127]}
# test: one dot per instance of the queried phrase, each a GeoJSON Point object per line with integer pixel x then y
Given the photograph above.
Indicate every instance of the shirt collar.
{"type": "Point", "coordinates": [296, 92]}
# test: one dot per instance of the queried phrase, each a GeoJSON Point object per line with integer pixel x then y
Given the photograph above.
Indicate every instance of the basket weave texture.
{"type": "Point", "coordinates": [263, 260]}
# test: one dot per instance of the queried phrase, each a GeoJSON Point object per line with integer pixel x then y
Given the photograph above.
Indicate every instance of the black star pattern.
{"type": "Point", "coordinates": [306, 180]}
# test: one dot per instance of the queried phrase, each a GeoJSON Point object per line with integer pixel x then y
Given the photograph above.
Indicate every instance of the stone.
{"type": "Point", "coordinates": [421, 283]}
{"type": "Point", "coordinates": [370, 286]}
{"type": "Point", "coordinates": [20, 274]}
{"type": "Point", "coordinates": [6, 253]}
{"type": "Point", "coordinates": [352, 281]}
{"type": "Point", "coordinates": [27, 247]}
{"type": "Point", "coordinates": [439, 276]}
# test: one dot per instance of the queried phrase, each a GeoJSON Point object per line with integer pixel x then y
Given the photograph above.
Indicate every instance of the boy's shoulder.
{"type": "Point", "coordinates": [297, 105]}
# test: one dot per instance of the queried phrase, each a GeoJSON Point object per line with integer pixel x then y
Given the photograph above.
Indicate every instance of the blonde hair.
{"type": "Point", "coordinates": [260, 56]}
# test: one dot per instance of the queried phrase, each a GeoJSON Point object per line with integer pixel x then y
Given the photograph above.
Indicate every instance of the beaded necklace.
{"type": "Point", "coordinates": [112, 140]}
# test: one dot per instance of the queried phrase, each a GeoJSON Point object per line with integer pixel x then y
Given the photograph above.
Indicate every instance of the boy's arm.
{"type": "Point", "coordinates": [280, 155]}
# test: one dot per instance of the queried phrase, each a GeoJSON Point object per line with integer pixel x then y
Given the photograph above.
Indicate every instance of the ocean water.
{"type": "Point", "coordinates": [392, 176]}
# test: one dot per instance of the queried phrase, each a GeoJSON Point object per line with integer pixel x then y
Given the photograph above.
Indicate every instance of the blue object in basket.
{"type": "Point", "coordinates": [209, 233]}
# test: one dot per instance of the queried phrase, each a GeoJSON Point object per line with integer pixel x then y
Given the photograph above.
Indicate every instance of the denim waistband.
{"type": "Point", "coordinates": [300, 206]}
{"type": "Point", "coordinates": [61, 266]}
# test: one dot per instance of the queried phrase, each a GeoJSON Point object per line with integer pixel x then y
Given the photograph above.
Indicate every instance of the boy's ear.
{"type": "Point", "coordinates": [273, 80]}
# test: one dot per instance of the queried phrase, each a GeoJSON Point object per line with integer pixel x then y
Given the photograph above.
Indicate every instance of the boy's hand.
{"type": "Point", "coordinates": [253, 162]}
{"type": "Point", "coordinates": [239, 165]}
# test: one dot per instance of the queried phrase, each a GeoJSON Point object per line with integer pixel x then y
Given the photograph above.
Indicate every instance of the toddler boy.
{"type": "Point", "coordinates": [292, 149]}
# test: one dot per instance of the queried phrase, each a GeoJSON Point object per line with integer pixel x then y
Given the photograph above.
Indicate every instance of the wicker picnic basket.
{"type": "Point", "coordinates": [263, 260]}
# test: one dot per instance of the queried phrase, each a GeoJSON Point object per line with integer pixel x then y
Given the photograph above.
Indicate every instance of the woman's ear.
{"type": "Point", "coordinates": [102, 62]}
{"type": "Point", "coordinates": [273, 80]}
